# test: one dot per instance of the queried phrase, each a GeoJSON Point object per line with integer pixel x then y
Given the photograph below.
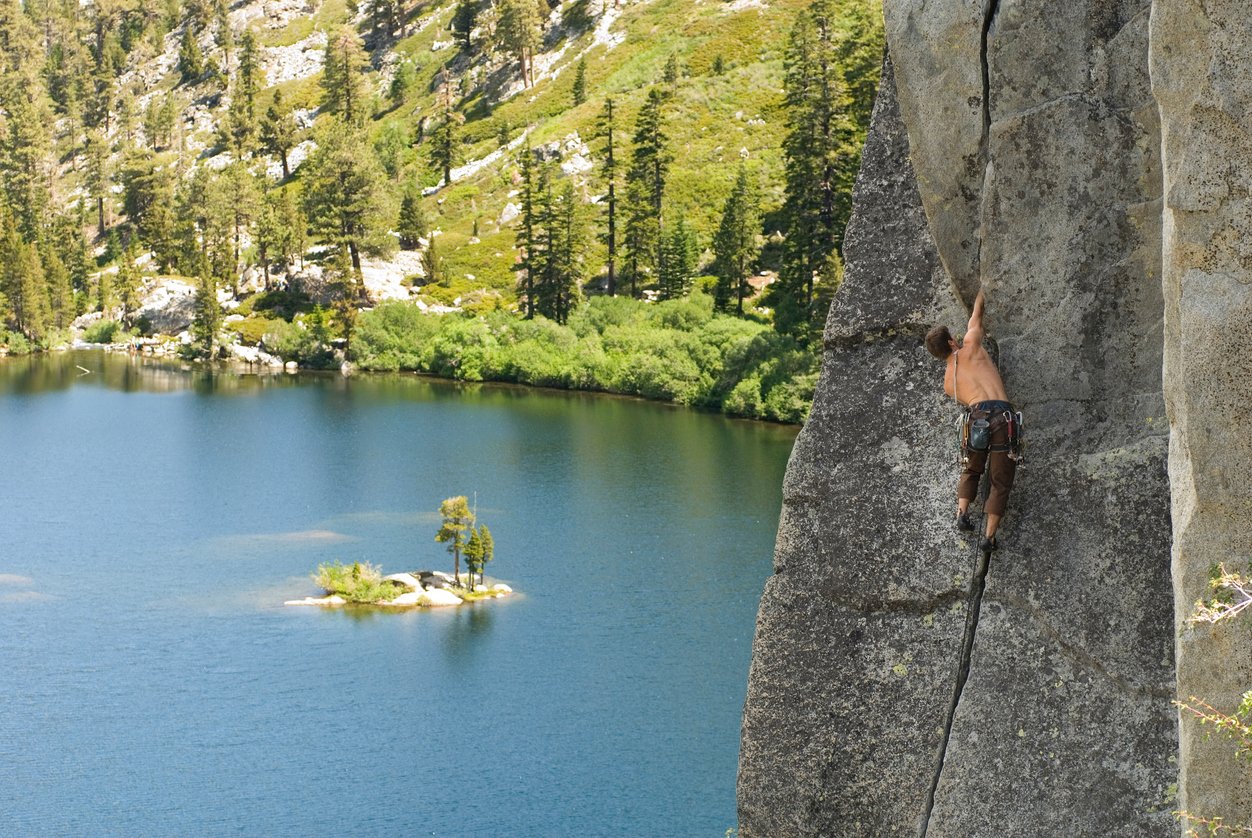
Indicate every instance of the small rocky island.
{"type": "Point", "coordinates": [423, 588]}
{"type": "Point", "coordinates": [362, 583]}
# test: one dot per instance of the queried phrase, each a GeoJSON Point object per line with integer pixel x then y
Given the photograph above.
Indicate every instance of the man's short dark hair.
{"type": "Point", "coordinates": [939, 342]}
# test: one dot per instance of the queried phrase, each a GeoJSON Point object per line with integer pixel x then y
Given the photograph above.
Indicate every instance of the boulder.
{"type": "Point", "coordinates": [501, 588]}
{"type": "Point", "coordinates": [437, 597]}
{"type": "Point", "coordinates": [406, 579]}
{"type": "Point", "coordinates": [410, 598]}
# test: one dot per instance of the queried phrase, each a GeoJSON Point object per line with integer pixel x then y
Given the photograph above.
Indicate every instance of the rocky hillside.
{"type": "Point", "coordinates": [724, 62]}
{"type": "Point", "coordinates": [900, 684]}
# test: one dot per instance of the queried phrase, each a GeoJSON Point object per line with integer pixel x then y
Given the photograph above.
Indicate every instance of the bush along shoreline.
{"type": "Point", "coordinates": [676, 351]}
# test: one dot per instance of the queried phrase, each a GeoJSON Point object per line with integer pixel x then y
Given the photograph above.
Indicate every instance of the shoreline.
{"type": "Point", "coordinates": [246, 367]}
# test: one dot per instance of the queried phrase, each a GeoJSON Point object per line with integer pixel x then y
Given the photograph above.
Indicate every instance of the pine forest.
{"type": "Point", "coordinates": [640, 197]}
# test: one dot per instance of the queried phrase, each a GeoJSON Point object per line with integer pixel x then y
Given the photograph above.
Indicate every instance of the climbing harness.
{"type": "Point", "coordinates": [974, 435]}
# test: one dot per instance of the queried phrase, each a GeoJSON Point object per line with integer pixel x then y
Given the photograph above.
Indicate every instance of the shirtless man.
{"type": "Point", "coordinates": [972, 379]}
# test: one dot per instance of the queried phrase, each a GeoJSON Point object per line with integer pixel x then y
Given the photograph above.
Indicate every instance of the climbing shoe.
{"type": "Point", "coordinates": [964, 524]}
{"type": "Point", "coordinates": [988, 544]}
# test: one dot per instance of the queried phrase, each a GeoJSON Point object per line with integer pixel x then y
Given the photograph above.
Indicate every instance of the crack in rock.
{"type": "Point", "coordinates": [977, 585]}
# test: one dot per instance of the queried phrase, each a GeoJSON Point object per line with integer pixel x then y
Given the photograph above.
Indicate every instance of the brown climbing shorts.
{"type": "Point", "coordinates": [1001, 465]}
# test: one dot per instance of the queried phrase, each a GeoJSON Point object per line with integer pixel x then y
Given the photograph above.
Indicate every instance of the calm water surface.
{"type": "Point", "coordinates": [154, 519]}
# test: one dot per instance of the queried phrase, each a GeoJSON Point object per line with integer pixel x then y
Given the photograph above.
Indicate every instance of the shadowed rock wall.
{"type": "Point", "coordinates": [897, 686]}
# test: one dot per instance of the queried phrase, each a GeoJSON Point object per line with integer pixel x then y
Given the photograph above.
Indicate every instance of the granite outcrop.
{"type": "Point", "coordinates": [1084, 164]}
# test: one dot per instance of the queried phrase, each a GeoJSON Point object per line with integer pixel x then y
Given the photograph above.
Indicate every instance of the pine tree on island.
{"type": "Point", "coordinates": [457, 519]}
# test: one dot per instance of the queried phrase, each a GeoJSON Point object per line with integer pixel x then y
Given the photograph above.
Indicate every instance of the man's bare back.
{"type": "Point", "coordinates": [971, 376]}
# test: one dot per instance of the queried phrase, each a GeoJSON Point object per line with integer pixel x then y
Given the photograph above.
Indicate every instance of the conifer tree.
{"type": "Point", "coordinates": [104, 294]}
{"type": "Point", "coordinates": [580, 82]}
{"type": "Point", "coordinates": [125, 116]}
{"type": "Point", "coordinates": [25, 149]}
{"type": "Point", "coordinates": [443, 146]}
{"type": "Point", "coordinates": [247, 81]}
{"type": "Point", "coordinates": [159, 118]}
{"type": "Point", "coordinates": [242, 200]}
{"type": "Point", "coordinates": [223, 35]}
{"type": "Point", "coordinates": [343, 77]}
{"type": "Point", "coordinates": [678, 267]}
{"type": "Point", "coordinates": [267, 229]}
{"type": "Point", "coordinates": [569, 268]}
{"type": "Point", "coordinates": [384, 17]}
{"type": "Point", "coordinates": [474, 555]}
{"type": "Point", "coordinates": [821, 153]}
{"type": "Point", "coordinates": [128, 281]}
{"type": "Point", "coordinates": [488, 546]}
{"type": "Point", "coordinates": [22, 282]}
{"type": "Point", "coordinates": [734, 244]}
{"type": "Point", "coordinates": [278, 131]}
{"type": "Point", "coordinates": [456, 520]}
{"type": "Point", "coordinates": [463, 21]}
{"type": "Point", "coordinates": [190, 58]}
{"type": "Point", "coordinates": [610, 201]}
{"type": "Point", "coordinates": [60, 288]}
{"type": "Point", "coordinates": [207, 318]}
{"type": "Point", "coordinates": [346, 196]}
{"type": "Point", "coordinates": [191, 212]}
{"type": "Point", "coordinates": [527, 238]}
{"type": "Point", "coordinates": [672, 70]}
{"type": "Point", "coordinates": [432, 264]}
{"type": "Point", "coordinates": [645, 191]}
{"type": "Point", "coordinates": [217, 231]}
{"type": "Point", "coordinates": [294, 226]}
{"type": "Point", "coordinates": [30, 302]}
{"type": "Point", "coordinates": [411, 224]}
{"type": "Point", "coordinates": [344, 282]}
{"type": "Point", "coordinates": [402, 83]}
{"type": "Point", "coordinates": [519, 31]}
{"type": "Point", "coordinates": [96, 177]}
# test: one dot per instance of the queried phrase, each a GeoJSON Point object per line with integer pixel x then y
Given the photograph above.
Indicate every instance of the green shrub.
{"type": "Point", "coordinates": [358, 582]}
{"type": "Point", "coordinates": [105, 331]}
{"type": "Point", "coordinates": [305, 342]}
{"type": "Point", "coordinates": [252, 330]}
{"type": "Point", "coordinates": [391, 337]}
{"type": "Point", "coordinates": [16, 343]}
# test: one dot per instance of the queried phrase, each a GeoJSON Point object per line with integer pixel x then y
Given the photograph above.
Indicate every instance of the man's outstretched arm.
{"type": "Point", "coordinates": [974, 331]}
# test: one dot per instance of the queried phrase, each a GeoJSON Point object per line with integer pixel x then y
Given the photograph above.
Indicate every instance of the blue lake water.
{"type": "Point", "coordinates": [153, 519]}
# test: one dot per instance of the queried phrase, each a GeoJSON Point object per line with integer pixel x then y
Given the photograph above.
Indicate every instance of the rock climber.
{"type": "Point", "coordinates": [990, 433]}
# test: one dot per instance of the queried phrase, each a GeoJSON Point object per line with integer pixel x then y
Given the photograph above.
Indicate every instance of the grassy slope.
{"type": "Point", "coordinates": [707, 119]}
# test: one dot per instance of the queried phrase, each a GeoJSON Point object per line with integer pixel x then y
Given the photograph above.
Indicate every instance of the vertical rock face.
{"type": "Point", "coordinates": [860, 629]}
{"type": "Point", "coordinates": [1030, 697]}
{"type": "Point", "coordinates": [1203, 82]}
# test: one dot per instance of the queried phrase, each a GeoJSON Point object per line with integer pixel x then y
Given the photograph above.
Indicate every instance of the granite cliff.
{"type": "Point", "coordinates": [1086, 164]}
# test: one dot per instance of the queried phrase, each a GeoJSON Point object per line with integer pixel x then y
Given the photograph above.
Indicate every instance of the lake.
{"type": "Point", "coordinates": [154, 518]}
